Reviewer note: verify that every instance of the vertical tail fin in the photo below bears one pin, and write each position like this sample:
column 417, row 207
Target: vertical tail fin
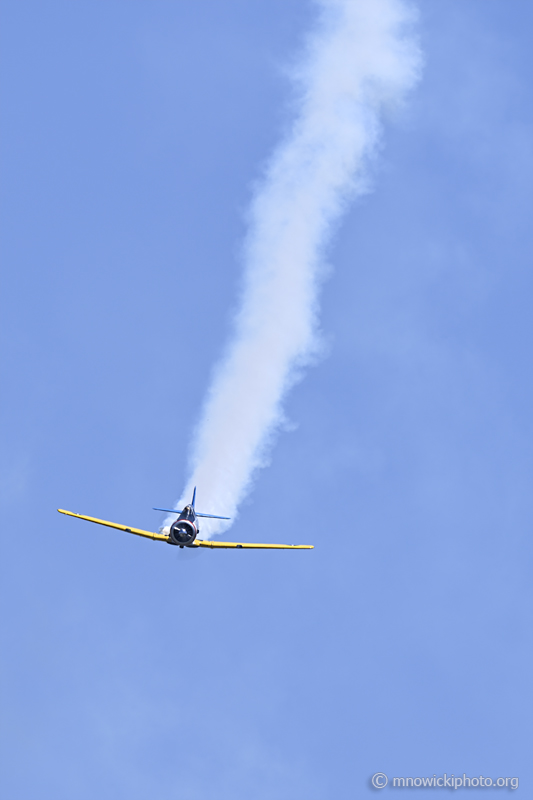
column 193, row 497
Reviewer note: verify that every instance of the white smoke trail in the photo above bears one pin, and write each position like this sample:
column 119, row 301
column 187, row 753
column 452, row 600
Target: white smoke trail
column 360, row 60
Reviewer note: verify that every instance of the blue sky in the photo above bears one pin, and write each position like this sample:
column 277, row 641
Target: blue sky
column 133, row 133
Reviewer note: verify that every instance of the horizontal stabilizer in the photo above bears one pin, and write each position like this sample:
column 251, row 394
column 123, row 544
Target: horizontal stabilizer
column 175, row 511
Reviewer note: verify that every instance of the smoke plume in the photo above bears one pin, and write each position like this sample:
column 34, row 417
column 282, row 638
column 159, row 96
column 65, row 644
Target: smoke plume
column 357, row 64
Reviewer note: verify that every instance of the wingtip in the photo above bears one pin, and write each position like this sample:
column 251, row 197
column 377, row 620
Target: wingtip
column 68, row 513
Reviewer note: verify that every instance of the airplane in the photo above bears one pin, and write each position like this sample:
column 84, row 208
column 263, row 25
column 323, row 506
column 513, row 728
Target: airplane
column 184, row 531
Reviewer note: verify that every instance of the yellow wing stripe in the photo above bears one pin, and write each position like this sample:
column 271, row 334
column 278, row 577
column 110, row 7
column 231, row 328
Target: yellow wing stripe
column 248, row 546
column 137, row 531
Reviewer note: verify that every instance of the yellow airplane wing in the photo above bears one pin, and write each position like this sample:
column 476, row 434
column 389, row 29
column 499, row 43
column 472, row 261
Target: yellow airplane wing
column 248, row 546
column 137, row 531
column 197, row 543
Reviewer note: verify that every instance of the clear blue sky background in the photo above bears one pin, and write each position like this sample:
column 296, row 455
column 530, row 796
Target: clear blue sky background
column 133, row 132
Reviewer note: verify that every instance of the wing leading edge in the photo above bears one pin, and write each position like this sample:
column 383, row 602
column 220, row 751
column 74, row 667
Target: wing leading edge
column 250, row 546
column 137, row 531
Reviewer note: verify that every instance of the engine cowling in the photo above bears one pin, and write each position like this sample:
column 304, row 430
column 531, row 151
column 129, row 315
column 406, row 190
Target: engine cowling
column 183, row 532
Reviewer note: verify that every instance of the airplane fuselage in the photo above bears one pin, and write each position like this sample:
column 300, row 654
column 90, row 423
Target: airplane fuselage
column 185, row 529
